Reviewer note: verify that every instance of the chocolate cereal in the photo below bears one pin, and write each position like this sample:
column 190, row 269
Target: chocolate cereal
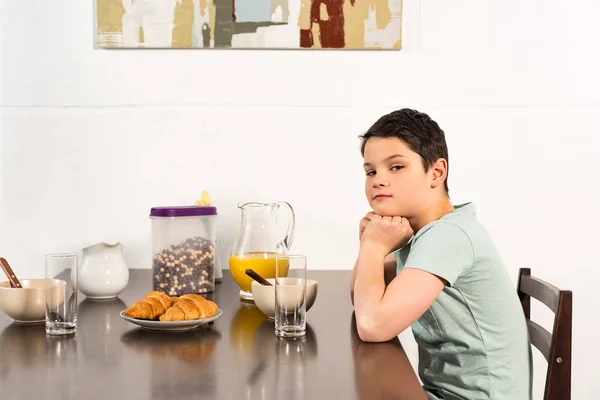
column 187, row 267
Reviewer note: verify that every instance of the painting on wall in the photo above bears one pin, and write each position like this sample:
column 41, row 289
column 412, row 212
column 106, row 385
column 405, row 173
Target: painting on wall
column 275, row 24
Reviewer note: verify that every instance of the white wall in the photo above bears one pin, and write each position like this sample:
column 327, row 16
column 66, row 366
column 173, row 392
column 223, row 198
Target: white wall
column 92, row 139
column 2, row 60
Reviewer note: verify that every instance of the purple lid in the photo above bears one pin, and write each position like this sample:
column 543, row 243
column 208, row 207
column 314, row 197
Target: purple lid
column 182, row 211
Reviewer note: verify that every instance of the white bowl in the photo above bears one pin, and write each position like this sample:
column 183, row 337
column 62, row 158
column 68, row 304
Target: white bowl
column 264, row 296
column 28, row 304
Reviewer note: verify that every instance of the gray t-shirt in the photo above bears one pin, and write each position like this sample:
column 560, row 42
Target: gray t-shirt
column 473, row 341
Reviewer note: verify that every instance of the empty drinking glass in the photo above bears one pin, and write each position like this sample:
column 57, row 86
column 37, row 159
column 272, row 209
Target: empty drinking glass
column 61, row 293
column 290, row 296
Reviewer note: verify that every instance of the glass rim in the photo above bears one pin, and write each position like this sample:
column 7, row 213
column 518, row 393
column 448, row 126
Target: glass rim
column 60, row 255
column 290, row 256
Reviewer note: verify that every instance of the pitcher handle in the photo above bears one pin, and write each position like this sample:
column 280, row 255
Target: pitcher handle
column 289, row 235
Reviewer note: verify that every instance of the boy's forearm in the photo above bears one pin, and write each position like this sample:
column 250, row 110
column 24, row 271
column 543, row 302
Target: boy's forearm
column 389, row 273
column 369, row 285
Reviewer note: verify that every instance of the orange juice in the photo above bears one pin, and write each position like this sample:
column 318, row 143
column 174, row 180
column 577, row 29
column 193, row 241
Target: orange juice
column 262, row 263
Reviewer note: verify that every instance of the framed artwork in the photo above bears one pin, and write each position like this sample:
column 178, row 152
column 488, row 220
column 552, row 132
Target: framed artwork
column 259, row 24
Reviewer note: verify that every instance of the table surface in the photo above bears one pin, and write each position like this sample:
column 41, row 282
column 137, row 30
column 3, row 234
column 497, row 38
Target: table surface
column 236, row 357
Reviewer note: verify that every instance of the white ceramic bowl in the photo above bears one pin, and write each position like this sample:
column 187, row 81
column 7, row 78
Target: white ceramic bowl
column 264, row 296
column 28, row 304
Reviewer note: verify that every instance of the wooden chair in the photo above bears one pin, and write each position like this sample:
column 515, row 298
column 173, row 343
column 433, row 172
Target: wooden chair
column 555, row 346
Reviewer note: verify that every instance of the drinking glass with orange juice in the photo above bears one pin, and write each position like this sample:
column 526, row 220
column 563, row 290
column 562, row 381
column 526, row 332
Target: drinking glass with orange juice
column 259, row 242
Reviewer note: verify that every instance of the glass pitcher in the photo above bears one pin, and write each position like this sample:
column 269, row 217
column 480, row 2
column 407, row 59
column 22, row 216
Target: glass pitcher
column 259, row 241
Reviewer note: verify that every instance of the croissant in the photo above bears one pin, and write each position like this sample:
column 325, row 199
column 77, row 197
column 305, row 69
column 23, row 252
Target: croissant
column 188, row 307
column 152, row 306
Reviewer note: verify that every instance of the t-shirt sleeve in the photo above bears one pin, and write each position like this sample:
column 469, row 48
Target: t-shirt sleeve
column 444, row 250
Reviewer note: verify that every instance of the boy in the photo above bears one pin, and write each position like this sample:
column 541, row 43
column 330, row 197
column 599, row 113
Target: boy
column 430, row 265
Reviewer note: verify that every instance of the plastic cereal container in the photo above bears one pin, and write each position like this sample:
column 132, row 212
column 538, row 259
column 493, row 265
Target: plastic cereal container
column 183, row 249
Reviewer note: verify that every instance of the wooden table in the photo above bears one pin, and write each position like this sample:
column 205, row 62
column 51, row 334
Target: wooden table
column 237, row 357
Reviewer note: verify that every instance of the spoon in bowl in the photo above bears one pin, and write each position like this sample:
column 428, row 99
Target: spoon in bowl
column 14, row 281
column 252, row 274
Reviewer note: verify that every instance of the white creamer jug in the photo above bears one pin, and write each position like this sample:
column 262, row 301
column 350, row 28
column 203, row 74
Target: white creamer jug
column 103, row 273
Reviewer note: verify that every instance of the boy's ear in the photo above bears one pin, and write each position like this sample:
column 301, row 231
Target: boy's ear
column 438, row 172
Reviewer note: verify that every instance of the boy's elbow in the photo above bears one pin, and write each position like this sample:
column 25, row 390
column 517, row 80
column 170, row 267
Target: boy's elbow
column 370, row 331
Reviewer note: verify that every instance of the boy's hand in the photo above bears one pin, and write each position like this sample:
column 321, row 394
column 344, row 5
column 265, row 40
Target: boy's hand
column 363, row 223
column 386, row 234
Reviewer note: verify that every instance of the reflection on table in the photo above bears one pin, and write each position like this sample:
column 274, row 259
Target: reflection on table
column 273, row 368
column 236, row 357
column 98, row 330
column 181, row 363
column 382, row 371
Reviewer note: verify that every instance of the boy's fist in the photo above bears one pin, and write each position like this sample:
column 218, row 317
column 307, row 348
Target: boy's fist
column 363, row 224
column 385, row 234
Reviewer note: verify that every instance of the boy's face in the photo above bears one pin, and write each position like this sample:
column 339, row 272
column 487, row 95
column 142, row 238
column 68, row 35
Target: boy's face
column 396, row 183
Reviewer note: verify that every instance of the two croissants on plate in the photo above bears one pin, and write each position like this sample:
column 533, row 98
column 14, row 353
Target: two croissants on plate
column 157, row 305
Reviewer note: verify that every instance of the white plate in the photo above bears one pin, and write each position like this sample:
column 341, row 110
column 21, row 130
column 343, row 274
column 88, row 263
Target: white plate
column 170, row 325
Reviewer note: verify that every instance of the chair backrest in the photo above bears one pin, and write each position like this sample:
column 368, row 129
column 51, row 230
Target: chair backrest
column 555, row 346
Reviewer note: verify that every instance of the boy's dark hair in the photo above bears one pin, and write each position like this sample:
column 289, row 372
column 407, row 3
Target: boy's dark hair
column 417, row 130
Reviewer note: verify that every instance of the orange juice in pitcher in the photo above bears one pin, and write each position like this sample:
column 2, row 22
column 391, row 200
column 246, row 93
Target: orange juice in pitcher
column 259, row 242
column 261, row 263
